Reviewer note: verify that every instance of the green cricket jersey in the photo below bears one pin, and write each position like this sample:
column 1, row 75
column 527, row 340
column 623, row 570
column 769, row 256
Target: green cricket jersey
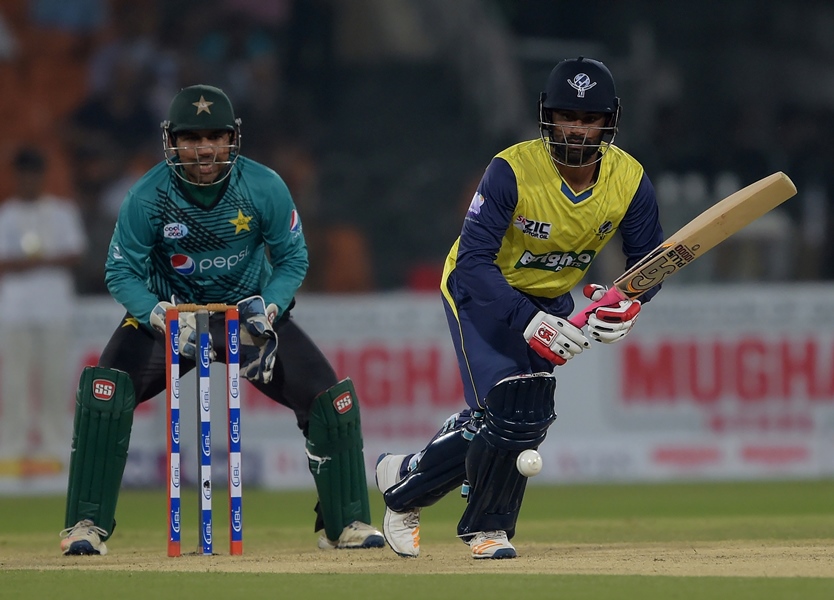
column 248, row 242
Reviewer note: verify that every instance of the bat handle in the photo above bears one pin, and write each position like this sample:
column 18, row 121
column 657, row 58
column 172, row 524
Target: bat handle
column 611, row 297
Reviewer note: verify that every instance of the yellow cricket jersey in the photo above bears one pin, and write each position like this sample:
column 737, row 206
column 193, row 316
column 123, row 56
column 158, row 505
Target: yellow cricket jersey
column 553, row 234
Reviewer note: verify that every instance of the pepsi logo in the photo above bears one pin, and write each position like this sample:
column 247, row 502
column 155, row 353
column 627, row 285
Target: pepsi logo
column 295, row 222
column 182, row 264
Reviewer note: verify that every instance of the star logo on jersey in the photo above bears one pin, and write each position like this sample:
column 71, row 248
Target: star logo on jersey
column 241, row 223
column 131, row 322
column 202, row 105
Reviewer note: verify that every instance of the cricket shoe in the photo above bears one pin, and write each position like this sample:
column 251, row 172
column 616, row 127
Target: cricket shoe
column 83, row 538
column 491, row 544
column 355, row 535
column 402, row 529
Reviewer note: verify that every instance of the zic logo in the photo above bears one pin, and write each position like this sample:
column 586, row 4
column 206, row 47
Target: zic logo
column 537, row 229
column 343, row 403
column 103, row 389
column 581, row 83
column 175, row 231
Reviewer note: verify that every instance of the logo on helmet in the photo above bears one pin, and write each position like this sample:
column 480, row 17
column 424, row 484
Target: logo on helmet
column 581, row 83
column 202, row 105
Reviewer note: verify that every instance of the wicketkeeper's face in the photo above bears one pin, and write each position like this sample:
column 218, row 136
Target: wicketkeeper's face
column 204, row 154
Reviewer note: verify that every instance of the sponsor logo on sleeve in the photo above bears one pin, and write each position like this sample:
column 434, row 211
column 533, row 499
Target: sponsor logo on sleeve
column 476, row 204
column 295, row 223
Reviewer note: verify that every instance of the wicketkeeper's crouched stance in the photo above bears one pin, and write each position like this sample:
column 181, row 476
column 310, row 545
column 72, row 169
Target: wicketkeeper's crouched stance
column 132, row 370
column 207, row 225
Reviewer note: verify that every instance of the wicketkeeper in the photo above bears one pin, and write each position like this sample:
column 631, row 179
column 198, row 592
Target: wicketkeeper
column 207, row 225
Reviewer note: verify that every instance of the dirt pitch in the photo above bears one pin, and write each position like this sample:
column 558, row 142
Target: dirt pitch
column 809, row 558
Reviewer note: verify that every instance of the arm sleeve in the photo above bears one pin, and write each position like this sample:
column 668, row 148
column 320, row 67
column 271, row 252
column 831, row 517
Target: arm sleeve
column 286, row 248
column 126, row 267
column 480, row 241
column 640, row 228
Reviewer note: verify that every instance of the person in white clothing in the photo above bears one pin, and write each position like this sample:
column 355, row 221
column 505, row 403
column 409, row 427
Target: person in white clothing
column 41, row 239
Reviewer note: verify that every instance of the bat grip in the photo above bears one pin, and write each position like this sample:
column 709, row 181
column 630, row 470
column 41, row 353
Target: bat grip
column 611, row 297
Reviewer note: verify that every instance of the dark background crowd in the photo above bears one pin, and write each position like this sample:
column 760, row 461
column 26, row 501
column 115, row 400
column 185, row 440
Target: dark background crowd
column 381, row 114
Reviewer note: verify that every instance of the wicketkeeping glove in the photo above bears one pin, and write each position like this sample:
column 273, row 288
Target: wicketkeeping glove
column 554, row 338
column 188, row 329
column 609, row 324
column 258, row 341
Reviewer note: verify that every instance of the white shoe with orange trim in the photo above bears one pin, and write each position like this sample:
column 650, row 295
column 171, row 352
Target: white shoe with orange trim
column 401, row 529
column 491, row 544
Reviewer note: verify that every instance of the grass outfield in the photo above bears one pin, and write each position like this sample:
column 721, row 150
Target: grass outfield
column 675, row 541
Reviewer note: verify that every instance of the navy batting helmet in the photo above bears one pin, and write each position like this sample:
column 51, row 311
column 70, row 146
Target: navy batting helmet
column 580, row 85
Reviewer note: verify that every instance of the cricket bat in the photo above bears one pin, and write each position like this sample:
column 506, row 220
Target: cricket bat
column 701, row 234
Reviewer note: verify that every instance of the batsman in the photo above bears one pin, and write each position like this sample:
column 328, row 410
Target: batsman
column 207, row 225
column 542, row 212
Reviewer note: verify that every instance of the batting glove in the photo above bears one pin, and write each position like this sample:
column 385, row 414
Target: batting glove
column 609, row 324
column 554, row 338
